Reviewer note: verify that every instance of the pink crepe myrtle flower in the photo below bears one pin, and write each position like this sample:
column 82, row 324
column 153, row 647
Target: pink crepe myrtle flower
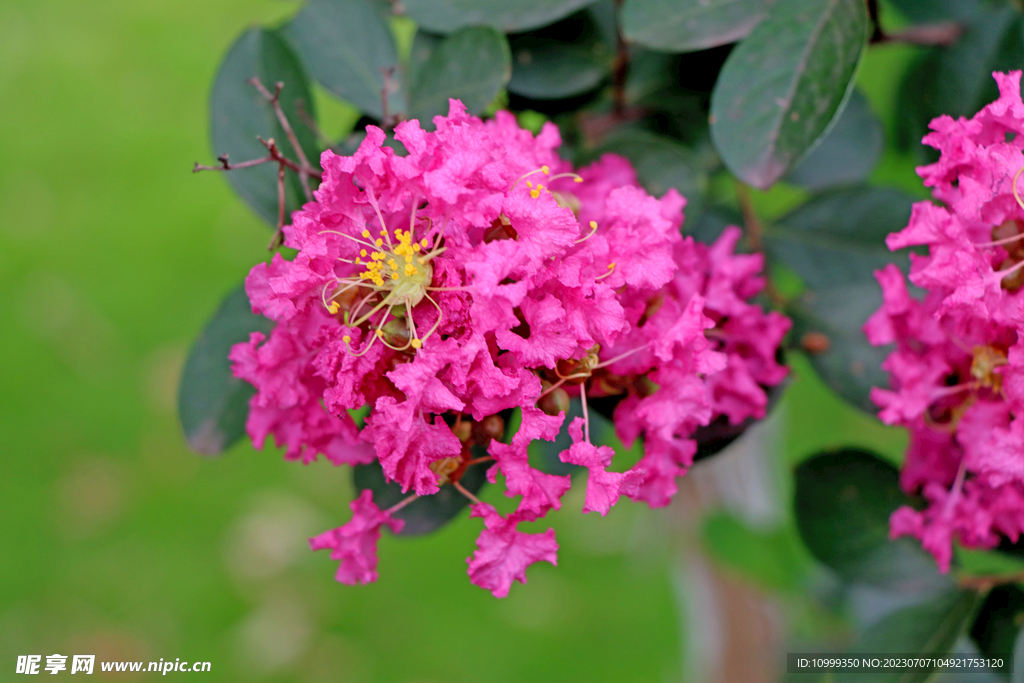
column 476, row 274
column 957, row 370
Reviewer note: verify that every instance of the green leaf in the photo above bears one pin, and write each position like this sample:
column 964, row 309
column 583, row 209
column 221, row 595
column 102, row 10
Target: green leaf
column 212, row 403
column 782, row 86
column 927, row 628
column 838, row 239
column 472, row 65
column 660, row 164
column 769, row 558
column 689, row 25
column 847, row 153
column 238, row 114
column 349, row 48
column 427, row 513
column 445, row 16
column 937, row 10
column 998, row 622
column 849, row 366
column 562, row 60
column 834, row 243
column 958, row 80
column 842, row 504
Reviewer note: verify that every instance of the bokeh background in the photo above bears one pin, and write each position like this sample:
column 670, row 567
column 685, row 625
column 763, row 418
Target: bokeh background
column 115, row 540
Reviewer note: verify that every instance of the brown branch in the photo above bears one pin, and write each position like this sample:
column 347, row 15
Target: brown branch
column 386, row 121
column 306, row 169
column 943, row 35
column 986, row 583
column 755, row 232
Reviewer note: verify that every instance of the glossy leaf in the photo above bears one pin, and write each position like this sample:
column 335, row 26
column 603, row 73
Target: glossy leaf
column 927, row 628
column 445, row 16
column 998, row 622
column 689, row 25
column 838, row 239
column 847, row 153
column 781, row 87
column 348, row 48
column 425, row 514
column 660, row 164
column 472, row 65
column 561, row 60
column 212, row 403
column 842, row 502
column 957, row 80
column 238, row 114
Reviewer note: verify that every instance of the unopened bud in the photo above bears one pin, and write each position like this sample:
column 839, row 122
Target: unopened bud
column 493, row 426
column 555, row 402
column 815, row 343
column 463, row 431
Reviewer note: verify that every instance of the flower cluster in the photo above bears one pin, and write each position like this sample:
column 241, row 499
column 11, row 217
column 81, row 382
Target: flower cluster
column 476, row 274
column 958, row 367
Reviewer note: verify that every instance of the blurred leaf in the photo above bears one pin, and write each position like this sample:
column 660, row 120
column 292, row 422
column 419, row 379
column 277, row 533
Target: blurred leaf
column 783, row 85
column 842, row 504
column 544, row 454
column 472, row 65
column 957, row 80
column 719, row 434
column 838, row 238
column 238, row 114
column 348, row 47
column 847, row 153
column 445, row 16
column 849, row 365
column 427, row 513
column 711, row 222
column 937, row 10
column 772, row 559
column 660, row 164
column 564, row 59
column 998, row 622
column 212, row 403
column 928, row 628
column 834, row 243
column 689, row 25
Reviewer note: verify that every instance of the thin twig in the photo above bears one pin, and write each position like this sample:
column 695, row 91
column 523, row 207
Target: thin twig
column 986, row 583
column 755, row 231
column 386, row 121
column 275, row 103
column 462, row 489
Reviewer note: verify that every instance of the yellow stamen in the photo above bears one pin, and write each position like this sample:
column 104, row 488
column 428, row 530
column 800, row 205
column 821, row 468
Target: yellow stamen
column 416, row 343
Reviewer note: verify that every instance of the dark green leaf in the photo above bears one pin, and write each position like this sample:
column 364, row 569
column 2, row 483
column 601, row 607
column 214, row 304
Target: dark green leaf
column 427, row 513
column 782, row 86
column 937, row 10
column 847, row 153
column 689, row 25
column 711, row 222
column 838, row 239
column 849, row 366
column 349, row 48
column 212, row 403
column 769, row 558
column 998, row 622
column 445, row 16
column 472, row 65
column 238, row 114
column 661, row 164
column 842, row 503
column 958, row 80
column 927, row 628
column 565, row 59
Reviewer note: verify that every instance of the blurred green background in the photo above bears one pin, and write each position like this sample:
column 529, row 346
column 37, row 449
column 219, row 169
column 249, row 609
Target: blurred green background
column 117, row 541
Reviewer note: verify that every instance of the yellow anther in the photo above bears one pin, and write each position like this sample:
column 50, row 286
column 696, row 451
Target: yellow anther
column 424, row 242
column 366, row 233
column 545, row 170
column 410, row 269
column 362, row 252
column 577, row 179
column 346, row 339
column 416, row 247
column 423, row 262
column 408, row 258
column 379, row 242
column 593, row 225
column 529, row 183
column 333, row 307
column 394, row 276
column 611, row 265
column 416, row 343
column 392, row 264
column 380, row 333
column 534, row 193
